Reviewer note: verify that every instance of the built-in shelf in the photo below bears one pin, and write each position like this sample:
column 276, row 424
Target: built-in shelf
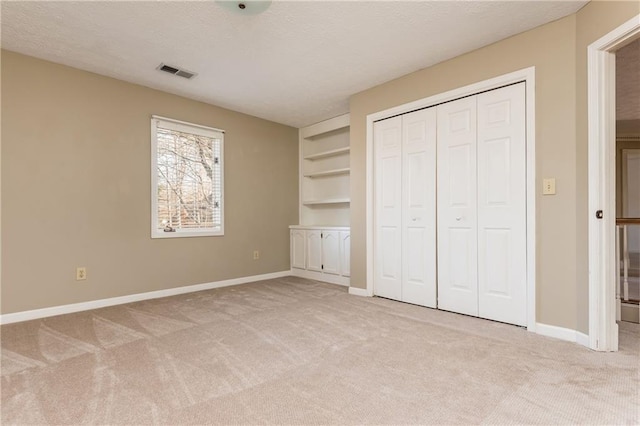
column 327, row 154
column 334, row 172
column 327, row 201
column 324, row 185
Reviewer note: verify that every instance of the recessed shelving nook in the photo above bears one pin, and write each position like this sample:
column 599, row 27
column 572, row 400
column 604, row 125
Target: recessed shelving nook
column 320, row 243
column 324, row 173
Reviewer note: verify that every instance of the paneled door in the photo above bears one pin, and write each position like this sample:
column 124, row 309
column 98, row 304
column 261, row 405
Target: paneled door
column 502, row 228
column 418, row 207
column 388, row 208
column 457, row 207
column 405, row 215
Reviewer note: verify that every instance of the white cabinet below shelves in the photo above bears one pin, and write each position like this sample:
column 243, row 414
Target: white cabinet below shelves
column 298, row 249
column 321, row 253
column 314, row 250
column 345, row 253
column 331, row 252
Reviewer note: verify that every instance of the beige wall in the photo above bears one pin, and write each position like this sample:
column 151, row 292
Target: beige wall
column 76, row 190
column 593, row 21
column 561, row 260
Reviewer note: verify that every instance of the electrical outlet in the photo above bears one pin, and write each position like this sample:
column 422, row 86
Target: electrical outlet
column 81, row 273
column 256, row 254
column 548, row 186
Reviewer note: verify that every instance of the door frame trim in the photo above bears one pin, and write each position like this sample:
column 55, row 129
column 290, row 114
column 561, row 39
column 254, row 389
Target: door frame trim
column 603, row 329
column 526, row 75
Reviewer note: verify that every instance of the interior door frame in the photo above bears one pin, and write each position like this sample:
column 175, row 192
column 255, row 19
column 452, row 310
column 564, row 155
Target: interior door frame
column 526, row 75
column 601, row 74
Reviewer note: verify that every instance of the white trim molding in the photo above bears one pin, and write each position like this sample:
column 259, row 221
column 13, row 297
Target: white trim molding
column 582, row 339
column 362, row 292
column 189, row 128
column 562, row 333
column 320, row 276
column 112, row 301
column 526, row 75
column 603, row 329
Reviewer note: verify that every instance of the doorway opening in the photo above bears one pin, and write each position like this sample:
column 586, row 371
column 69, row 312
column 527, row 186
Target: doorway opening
column 603, row 270
column 628, row 182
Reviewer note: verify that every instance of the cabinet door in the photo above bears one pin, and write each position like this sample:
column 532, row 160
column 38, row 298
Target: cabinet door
column 331, row 252
column 297, row 249
column 345, row 253
column 457, row 207
column 314, row 251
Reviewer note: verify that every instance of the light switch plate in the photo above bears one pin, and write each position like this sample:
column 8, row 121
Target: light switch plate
column 549, row 186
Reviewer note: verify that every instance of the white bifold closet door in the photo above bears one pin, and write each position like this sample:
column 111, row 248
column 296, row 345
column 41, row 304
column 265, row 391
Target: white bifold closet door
column 457, row 207
column 405, row 231
column 482, row 205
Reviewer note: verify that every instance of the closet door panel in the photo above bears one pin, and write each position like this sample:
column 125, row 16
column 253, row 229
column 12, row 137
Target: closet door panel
column 388, row 208
column 418, row 207
column 457, row 206
column 502, row 205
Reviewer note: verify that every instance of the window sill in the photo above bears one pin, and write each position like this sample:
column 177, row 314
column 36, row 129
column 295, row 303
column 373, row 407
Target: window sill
column 187, row 234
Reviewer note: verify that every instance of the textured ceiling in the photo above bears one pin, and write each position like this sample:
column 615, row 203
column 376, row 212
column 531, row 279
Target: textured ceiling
column 297, row 63
column 628, row 82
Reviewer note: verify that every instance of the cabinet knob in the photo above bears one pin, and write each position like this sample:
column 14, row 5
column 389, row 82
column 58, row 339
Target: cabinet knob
column 459, row 218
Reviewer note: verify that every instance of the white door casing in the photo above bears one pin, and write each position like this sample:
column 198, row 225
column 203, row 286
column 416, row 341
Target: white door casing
column 502, row 232
column 388, row 208
column 418, row 207
column 457, row 206
column 603, row 329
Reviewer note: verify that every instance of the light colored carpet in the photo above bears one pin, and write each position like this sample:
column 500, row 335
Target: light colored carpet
column 295, row 351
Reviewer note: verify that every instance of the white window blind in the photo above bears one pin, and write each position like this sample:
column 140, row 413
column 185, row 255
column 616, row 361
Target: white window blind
column 187, row 179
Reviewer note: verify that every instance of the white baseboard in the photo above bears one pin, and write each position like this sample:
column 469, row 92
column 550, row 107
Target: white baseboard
column 556, row 332
column 562, row 333
column 320, row 276
column 358, row 291
column 582, row 339
column 102, row 303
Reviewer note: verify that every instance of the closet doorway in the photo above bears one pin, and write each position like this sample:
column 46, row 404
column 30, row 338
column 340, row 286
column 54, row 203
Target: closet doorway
column 451, row 217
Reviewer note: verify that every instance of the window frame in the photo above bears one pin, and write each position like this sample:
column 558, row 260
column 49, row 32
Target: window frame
column 186, row 127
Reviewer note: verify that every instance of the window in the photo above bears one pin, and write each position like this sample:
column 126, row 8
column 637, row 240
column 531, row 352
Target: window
column 187, row 179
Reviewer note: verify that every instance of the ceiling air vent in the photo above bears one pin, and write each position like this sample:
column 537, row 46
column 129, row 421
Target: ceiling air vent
column 176, row 71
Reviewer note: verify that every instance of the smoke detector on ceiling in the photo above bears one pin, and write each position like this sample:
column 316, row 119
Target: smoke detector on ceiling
column 245, row 7
column 176, row 71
